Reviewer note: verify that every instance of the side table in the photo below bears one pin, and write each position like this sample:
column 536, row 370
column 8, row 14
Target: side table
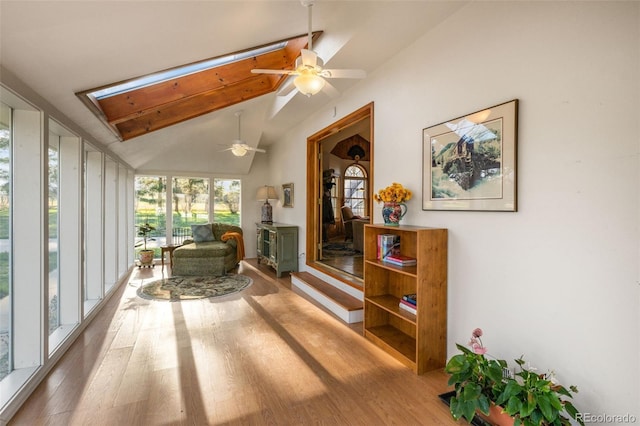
column 169, row 249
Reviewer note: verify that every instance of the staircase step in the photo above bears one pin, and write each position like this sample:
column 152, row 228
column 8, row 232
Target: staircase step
column 345, row 306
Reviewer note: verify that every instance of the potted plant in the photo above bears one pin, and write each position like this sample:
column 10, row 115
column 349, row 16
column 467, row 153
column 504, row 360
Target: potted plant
column 477, row 380
column 537, row 399
column 145, row 256
column 486, row 387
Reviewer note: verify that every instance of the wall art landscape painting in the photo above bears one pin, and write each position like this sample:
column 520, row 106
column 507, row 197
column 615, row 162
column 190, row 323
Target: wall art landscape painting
column 470, row 162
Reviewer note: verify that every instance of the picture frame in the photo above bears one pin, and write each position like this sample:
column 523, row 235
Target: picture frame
column 470, row 162
column 287, row 195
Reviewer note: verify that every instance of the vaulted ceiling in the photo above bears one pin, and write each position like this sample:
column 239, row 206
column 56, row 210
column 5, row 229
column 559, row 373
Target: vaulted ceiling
column 152, row 107
column 63, row 48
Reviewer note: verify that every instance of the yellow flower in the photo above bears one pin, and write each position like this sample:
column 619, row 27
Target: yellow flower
column 394, row 193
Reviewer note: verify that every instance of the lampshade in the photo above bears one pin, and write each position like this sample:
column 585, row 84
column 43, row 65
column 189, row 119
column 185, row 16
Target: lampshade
column 308, row 83
column 266, row 193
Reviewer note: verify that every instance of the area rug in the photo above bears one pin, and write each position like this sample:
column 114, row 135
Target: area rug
column 190, row 288
column 338, row 249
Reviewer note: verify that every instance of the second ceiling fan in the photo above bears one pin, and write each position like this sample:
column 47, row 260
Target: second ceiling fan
column 310, row 76
column 238, row 147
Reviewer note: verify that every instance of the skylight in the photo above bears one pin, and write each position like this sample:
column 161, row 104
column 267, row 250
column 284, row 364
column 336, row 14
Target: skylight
column 147, row 103
column 182, row 71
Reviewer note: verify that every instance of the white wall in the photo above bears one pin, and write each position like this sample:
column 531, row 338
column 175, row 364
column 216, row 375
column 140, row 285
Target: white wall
column 558, row 280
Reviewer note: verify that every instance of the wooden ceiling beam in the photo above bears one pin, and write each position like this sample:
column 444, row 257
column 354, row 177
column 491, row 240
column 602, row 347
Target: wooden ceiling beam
column 140, row 111
column 195, row 106
column 130, row 104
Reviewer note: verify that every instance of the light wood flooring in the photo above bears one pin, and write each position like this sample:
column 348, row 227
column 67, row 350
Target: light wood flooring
column 353, row 265
column 264, row 356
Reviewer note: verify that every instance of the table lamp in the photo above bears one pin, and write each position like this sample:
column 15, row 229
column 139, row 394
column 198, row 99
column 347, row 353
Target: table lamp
column 265, row 193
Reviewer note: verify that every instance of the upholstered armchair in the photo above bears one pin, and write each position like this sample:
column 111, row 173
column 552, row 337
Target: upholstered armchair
column 347, row 219
column 216, row 249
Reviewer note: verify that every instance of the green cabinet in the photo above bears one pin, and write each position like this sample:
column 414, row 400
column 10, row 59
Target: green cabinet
column 277, row 245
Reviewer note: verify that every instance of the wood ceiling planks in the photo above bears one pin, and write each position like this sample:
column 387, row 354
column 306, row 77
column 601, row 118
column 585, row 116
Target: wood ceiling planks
column 156, row 106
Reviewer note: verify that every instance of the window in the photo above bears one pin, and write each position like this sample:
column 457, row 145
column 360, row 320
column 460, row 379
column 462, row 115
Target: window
column 150, row 207
column 182, row 71
column 93, row 226
column 190, row 205
column 226, row 201
column 219, row 82
column 5, row 240
column 44, row 179
column 65, row 251
column 110, row 219
column 355, row 189
column 54, row 274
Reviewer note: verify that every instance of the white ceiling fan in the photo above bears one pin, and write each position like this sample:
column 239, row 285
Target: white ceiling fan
column 238, row 147
column 310, row 76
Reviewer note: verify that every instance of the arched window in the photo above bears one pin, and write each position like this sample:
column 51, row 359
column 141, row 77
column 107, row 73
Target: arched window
column 355, row 189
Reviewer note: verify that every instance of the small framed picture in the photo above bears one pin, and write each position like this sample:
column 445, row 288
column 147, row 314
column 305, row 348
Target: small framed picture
column 287, row 195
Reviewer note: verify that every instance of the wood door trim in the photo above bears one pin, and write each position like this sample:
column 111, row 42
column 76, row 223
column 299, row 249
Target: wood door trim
column 313, row 237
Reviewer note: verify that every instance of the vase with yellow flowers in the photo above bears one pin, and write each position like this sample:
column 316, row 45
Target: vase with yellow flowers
column 394, row 208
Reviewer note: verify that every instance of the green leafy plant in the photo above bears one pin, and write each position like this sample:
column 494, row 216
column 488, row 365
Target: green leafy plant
column 143, row 231
column 531, row 399
column 537, row 399
column 477, row 380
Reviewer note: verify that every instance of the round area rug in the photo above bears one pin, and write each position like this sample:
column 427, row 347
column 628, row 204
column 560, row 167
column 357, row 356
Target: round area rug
column 189, row 288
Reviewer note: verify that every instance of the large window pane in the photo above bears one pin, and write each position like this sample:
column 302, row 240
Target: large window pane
column 93, row 228
column 226, row 207
column 110, row 223
column 54, row 282
column 150, row 207
column 190, row 200
column 5, row 240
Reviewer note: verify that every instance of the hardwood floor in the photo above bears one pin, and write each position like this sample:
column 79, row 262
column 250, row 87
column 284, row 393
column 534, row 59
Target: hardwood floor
column 353, row 265
column 262, row 356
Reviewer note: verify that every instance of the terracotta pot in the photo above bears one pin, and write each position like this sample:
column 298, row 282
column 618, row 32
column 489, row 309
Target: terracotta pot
column 496, row 417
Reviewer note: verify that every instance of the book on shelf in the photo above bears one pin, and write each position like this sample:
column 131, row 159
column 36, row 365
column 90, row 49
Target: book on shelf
column 411, row 298
column 387, row 244
column 408, row 307
column 400, row 259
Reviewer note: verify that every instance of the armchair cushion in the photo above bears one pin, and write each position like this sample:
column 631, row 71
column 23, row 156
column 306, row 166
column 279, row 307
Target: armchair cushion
column 202, row 233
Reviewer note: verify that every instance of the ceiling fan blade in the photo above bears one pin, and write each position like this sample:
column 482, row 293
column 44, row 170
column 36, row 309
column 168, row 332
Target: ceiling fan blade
column 309, row 57
column 330, row 90
column 262, row 71
column 342, row 73
column 286, row 88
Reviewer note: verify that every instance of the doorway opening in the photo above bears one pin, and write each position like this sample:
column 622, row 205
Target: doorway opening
column 339, row 202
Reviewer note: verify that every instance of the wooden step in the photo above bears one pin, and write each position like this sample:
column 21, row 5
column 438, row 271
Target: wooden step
column 345, row 306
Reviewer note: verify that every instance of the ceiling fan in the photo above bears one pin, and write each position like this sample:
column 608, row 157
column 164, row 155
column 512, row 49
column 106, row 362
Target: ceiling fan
column 310, row 76
column 238, row 147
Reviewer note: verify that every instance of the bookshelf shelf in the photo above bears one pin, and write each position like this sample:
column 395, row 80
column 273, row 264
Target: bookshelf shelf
column 418, row 341
column 406, row 270
column 390, row 304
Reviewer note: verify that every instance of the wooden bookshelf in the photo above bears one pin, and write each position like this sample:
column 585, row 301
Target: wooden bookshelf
column 418, row 341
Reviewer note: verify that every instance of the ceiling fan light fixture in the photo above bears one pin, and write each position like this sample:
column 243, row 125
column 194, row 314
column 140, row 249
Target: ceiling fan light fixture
column 238, row 150
column 308, row 83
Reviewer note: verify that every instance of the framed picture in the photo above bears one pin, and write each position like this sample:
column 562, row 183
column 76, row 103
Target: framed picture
column 469, row 162
column 287, row 195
